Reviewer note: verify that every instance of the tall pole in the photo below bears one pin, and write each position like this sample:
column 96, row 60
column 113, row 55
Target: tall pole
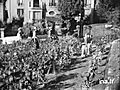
column 81, row 19
column 1, row 11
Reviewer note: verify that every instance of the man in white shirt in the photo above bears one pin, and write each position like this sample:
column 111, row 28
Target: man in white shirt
column 87, row 43
column 34, row 33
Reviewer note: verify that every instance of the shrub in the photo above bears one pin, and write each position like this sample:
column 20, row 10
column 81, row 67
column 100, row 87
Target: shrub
column 109, row 10
column 113, row 16
column 1, row 24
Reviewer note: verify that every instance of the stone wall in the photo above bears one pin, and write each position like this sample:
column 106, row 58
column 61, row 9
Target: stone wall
column 114, row 64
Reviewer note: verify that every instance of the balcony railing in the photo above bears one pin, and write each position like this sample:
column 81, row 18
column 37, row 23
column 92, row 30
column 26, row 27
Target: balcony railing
column 36, row 5
column 36, row 8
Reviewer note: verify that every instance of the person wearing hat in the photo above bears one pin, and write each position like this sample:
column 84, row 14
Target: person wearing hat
column 83, row 48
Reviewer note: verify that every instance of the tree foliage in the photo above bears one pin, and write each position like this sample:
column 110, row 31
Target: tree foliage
column 109, row 10
column 69, row 7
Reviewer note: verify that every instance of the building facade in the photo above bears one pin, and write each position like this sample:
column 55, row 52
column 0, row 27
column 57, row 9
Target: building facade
column 3, row 14
column 89, row 5
column 37, row 9
column 31, row 9
column 52, row 8
column 1, row 10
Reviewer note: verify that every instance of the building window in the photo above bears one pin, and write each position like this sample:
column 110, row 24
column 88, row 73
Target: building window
column 20, row 12
column 29, row 14
column 52, row 3
column 88, row 2
column 37, row 15
column 29, row 4
column 20, row 2
column 85, row 2
column 35, row 3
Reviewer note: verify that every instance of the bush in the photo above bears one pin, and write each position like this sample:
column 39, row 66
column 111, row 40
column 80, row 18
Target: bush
column 21, row 62
column 11, row 29
column 1, row 24
column 109, row 12
column 113, row 16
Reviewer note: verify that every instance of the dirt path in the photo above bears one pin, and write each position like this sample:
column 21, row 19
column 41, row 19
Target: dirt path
column 71, row 79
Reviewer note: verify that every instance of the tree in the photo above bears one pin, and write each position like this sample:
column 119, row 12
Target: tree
column 109, row 10
column 69, row 8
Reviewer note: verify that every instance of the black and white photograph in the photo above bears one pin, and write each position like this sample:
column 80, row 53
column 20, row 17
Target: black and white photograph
column 59, row 44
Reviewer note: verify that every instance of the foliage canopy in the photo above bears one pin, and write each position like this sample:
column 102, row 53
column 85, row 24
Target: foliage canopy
column 109, row 10
column 69, row 7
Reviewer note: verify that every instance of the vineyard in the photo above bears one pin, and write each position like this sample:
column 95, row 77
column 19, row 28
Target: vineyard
column 24, row 65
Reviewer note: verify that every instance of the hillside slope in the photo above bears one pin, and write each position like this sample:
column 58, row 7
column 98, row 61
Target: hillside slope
column 114, row 64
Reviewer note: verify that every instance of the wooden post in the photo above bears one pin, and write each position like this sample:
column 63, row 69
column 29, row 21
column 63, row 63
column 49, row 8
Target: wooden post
column 34, row 33
column 54, row 71
column 2, row 32
column 49, row 31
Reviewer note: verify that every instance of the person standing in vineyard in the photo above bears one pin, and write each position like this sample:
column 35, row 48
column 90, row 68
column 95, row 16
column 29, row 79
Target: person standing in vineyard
column 88, row 39
column 86, row 43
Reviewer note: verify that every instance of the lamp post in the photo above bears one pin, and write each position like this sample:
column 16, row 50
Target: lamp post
column 81, row 18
